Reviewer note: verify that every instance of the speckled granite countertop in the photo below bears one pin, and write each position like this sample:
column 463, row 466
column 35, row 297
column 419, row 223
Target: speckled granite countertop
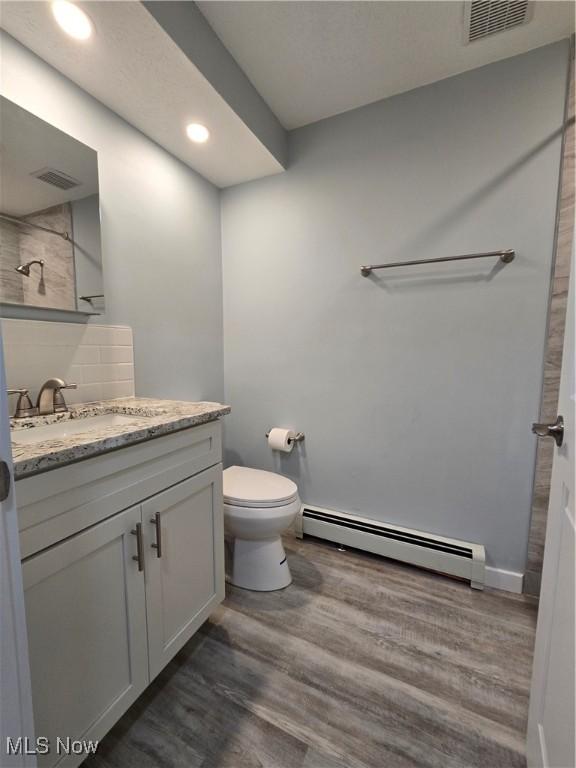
column 139, row 419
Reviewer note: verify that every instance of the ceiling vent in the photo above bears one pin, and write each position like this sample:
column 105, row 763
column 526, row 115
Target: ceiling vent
column 56, row 178
column 487, row 17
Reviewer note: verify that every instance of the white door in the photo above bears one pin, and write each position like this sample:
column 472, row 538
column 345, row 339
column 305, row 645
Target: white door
column 86, row 615
column 15, row 700
column 550, row 742
column 184, row 562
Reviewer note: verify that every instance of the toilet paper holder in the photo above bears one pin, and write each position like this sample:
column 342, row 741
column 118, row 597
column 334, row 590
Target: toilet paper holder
column 298, row 437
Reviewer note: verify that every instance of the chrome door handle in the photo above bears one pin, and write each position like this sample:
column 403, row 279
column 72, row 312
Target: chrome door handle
column 157, row 545
column 5, row 481
column 139, row 557
column 555, row 430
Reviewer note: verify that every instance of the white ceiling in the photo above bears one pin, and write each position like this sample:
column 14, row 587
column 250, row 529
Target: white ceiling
column 311, row 60
column 308, row 60
column 132, row 65
column 29, row 145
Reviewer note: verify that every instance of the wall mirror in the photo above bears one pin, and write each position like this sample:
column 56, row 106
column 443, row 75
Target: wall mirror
column 50, row 255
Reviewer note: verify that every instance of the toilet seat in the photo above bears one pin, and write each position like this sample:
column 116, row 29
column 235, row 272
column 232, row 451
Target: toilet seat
column 257, row 488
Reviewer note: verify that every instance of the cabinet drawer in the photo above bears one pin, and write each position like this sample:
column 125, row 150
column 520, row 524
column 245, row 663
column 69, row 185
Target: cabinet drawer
column 62, row 502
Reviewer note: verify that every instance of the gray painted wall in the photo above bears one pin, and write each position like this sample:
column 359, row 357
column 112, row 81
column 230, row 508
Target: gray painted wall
column 416, row 388
column 160, row 234
column 87, row 249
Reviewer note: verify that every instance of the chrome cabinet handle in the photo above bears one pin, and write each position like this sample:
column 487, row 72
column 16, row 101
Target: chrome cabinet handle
column 555, row 430
column 139, row 557
column 157, row 545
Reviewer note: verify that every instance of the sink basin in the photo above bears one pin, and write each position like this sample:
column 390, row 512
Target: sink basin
column 63, row 429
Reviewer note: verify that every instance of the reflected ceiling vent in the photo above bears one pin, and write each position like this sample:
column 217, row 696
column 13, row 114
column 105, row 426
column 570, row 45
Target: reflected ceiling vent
column 56, row 178
column 487, row 17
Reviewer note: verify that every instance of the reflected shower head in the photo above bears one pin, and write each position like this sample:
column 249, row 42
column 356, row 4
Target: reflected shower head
column 24, row 269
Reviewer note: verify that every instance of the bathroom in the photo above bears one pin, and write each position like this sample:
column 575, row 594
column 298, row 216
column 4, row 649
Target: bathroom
column 287, row 323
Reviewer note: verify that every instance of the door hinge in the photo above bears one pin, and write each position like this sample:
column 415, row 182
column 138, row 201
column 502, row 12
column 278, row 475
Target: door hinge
column 5, row 481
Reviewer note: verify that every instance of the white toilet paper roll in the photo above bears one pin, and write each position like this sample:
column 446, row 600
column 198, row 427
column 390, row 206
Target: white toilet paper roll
column 280, row 439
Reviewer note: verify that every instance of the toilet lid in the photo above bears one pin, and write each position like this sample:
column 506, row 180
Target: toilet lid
column 245, row 487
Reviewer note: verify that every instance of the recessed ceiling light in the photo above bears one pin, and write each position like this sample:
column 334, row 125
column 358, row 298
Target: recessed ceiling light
column 198, row 133
column 72, row 19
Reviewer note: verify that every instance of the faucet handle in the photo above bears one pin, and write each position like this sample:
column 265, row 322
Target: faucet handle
column 64, row 385
column 24, row 407
column 59, row 402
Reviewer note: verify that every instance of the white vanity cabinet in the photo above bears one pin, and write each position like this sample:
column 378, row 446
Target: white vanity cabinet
column 108, row 606
column 184, row 568
column 86, row 615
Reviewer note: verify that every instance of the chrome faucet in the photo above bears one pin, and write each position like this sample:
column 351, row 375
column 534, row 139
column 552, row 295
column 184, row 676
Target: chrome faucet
column 50, row 398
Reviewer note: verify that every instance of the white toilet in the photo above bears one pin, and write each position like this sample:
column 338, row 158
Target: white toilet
column 258, row 507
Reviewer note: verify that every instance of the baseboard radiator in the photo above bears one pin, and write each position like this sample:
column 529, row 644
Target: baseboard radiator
column 437, row 553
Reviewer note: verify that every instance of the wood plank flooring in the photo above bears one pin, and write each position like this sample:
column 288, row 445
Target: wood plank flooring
column 360, row 663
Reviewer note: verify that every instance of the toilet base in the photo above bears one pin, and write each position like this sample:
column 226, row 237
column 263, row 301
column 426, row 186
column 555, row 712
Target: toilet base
column 259, row 565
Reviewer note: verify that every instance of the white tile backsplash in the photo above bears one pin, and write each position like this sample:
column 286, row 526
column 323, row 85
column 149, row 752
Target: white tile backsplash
column 105, row 372
column 116, row 354
column 99, row 358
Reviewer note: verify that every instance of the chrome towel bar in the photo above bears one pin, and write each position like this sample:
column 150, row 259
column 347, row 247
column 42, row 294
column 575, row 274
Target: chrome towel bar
column 93, row 296
column 506, row 256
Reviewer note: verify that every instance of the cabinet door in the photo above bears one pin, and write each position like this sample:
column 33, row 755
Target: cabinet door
column 86, row 614
column 185, row 577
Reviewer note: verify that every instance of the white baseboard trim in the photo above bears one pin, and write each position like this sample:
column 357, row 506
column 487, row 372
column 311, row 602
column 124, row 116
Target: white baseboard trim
column 509, row 581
